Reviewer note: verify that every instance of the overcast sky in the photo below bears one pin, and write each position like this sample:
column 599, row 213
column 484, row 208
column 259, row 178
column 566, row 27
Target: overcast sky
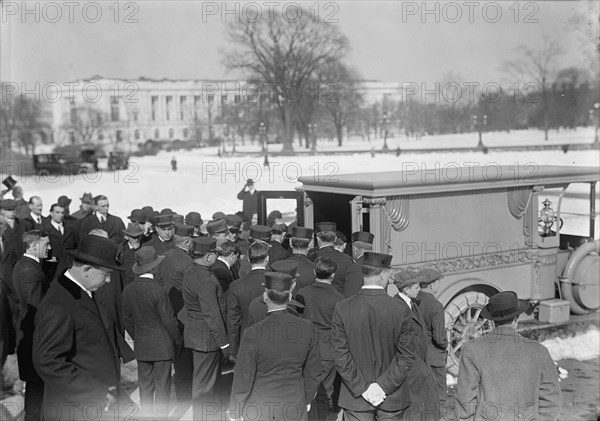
column 391, row 41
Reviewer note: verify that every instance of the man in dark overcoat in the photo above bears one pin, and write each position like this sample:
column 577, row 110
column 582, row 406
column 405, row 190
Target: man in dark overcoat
column 223, row 267
column 162, row 241
column 277, row 251
column 325, row 239
column 299, row 241
column 31, row 285
column 102, row 219
column 62, row 238
column 277, row 372
column 74, row 351
column 362, row 241
column 249, row 197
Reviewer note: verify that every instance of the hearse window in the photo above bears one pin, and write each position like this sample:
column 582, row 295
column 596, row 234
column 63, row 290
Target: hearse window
column 573, row 209
column 287, row 207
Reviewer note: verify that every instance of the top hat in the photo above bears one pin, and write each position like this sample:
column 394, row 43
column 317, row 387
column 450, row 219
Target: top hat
column 138, row 215
column 184, row 230
column 404, row 278
column 203, row 245
column 217, row 226
column 278, row 281
column 260, row 232
column 233, row 221
column 146, row 260
column 64, row 201
column 288, row 267
column 365, row 237
column 504, row 305
column 194, row 218
column 8, row 204
column 431, row 275
column 325, row 226
column 98, row 251
column 301, row 232
column 163, row 221
column 86, row 198
column 133, row 230
column 9, row 182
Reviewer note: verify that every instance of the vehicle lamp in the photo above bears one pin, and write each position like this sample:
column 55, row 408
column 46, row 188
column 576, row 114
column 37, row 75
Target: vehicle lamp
column 547, row 219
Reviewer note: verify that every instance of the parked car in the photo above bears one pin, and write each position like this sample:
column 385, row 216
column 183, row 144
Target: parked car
column 56, row 164
column 118, row 161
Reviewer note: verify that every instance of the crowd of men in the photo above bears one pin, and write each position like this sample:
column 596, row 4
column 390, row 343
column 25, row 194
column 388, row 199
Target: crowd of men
column 302, row 318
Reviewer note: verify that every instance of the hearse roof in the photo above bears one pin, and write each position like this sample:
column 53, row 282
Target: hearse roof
column 417, row 180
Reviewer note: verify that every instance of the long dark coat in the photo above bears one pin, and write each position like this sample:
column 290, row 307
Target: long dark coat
column 434, row 323
column 114, row 226
column 343, row 262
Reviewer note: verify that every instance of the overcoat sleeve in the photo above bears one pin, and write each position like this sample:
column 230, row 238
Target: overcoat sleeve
column 234, row 319
column 208, row 298
column 244, row 373
column 467, row 388
column 550, row 395
column 312, row 368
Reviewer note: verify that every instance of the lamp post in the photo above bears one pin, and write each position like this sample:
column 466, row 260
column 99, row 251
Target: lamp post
column 312, row 130
column 224, row 137
column 262, row 133
column 595, row 117
column 480, row 124
column 385, row 122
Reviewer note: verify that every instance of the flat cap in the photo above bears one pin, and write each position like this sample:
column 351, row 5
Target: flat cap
column 288, row 267
column 325, row 226
column 278, row 281
column 404, row 278
column 184, row 230
column 377, row 259
column 203, row 245
column 194, row 218
column 365, row 237
column 260, row 232
column 302, row 232
column 216, row 226
column 431, row 275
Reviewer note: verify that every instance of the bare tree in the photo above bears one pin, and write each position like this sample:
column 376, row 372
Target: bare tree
column 537, row 65
column 285, row 55
column 21, row 120
column 85, row 123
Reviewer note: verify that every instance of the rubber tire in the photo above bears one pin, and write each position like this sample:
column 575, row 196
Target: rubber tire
column 458, row 307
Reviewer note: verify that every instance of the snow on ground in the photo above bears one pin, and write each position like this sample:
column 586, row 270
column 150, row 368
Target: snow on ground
column 582, row 347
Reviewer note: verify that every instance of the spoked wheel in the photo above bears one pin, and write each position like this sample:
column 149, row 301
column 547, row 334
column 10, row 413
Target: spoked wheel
column 464, row 323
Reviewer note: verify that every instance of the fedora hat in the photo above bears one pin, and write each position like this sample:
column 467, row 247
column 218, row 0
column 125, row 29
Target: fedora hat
column 146, row 260
column 194, row 218
column 138, row 215
column 64, row 201
column 504, row 305
column 87, row 198
column 9, row 182
column 217, row 226
column 97, row 251
column 133, row 230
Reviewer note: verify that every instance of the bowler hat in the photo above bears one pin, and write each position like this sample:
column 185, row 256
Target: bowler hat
column 87, row 198
column 184, row 230
column 64, row 201
column 365, row 237
column 163, row 221
column 302, row 232
column 9, row 182
column 98, row 251
column 194, row 218
column 431, row 275
column 138, row 215
column 133, row 230
column 203, row 245
column 285, row 266
column 146, row 260
column 233, row 221
column 166, row 211
column 325, row 226
column 147, row 210
column 404, row 278
column 8, row 204
column 260, row 232
column 152, row 217
column 278, row 281
column 219, row 215
column 217, row 226
column 504, row 305
column 377, row 259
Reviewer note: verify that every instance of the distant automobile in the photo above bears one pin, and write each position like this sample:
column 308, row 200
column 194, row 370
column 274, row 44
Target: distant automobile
column 56, row 164
column 118, row 161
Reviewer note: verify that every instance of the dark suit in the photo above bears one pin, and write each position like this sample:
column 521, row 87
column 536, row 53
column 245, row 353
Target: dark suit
column 223, row 273
column 161, row 247
column 29, row 224
column 306, row 271
column 31, row 286
column 73, row 352
column 241, row 293
column 258, row 311
column 377, row 339
column 434, row 323
column 277, row 252
column 343, row 262
column 276, row 375
column 113, row 226
column 150, row 321
column 354, row 278
column 320, row 300
column 60, row 243
column 204, row 332
column 126, row 257
column 250, row 203
column 11, row 249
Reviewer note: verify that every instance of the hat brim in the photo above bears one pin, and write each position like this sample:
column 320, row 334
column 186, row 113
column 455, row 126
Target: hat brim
column 93, row 260
column 133, row 235
column 523, row 306
column 140, row 269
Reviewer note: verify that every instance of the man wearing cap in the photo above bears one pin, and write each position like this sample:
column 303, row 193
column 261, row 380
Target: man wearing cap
column 434, row 323
column 218, row 230
column 257, row 232
column 362, row 241
column 85, row 208
column 503, row 375
column 226, row 260
column 80, row 370
column 112, row 224
column 31, row 286
column 320, row 299
column 380, row 374
column 150, row 322
column 194, row 219
column 299, row 242
column 171, row 273
column 34, row 219
column 62, row 238
column 204, row 319
column 277, row 251
column 163, row 240
column 234, row 224
column 242, row 291
column 126, row 252
column 276, row 376
column 325, row 239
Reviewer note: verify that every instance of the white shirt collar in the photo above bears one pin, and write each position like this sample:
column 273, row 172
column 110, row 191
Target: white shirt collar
column 99, row 216
column 258, row 267
column 222, row 259
column 76, row 282
column 35, row 217
column 56, row 225
column 372, row 287
column 406, row 298
column 147, row 275
column 31, row 256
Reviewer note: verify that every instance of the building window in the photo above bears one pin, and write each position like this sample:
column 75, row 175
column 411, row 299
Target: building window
column 156, row 133
column 114, row 109
column 182, row 107
column 210, row 98
column 237, row 99
column 197, row 101
column 119, row 136
column 169, row 105
column 154, row 107
column 223, row 99
column 186, row 133
column 136, row 134
column 171, row 133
